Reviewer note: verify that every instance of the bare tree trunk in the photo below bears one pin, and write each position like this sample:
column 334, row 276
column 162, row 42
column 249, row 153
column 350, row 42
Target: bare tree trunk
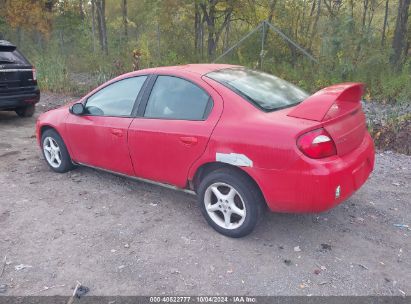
column 81, row 9
column 101, row 22
column 352, row 21
column 270, row 16
column 407, row 49
column 99, row 25
column 364, row 15
column 384, row 27
column 202, row 37
column 399, row 42
column 312, row 11
column 197, row 25
column 313, row 8
column 93, row 22
column 104, row 26
column 371, row 15
column 314, row 29
column 226, row 36
column 363, row 23
column 352, row 9
column 125, row 18
column 210, row 17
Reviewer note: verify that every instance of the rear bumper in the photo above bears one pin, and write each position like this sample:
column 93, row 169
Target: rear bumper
column 14, row 101
column 312, row 185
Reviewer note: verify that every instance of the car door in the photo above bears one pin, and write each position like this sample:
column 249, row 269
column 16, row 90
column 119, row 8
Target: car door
column 98, row 137
column 174, row 127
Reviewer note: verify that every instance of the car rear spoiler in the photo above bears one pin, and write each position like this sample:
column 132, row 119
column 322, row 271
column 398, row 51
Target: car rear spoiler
column 318, row 105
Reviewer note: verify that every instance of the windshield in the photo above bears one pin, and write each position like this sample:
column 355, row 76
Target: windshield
column 266, row 91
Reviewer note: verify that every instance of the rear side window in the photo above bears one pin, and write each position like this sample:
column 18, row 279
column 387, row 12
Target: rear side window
column 176, row 98
column 266, row 91
column 116, row 99
column 12, row 57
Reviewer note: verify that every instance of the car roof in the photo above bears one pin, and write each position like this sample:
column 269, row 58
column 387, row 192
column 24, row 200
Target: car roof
column 198, row 68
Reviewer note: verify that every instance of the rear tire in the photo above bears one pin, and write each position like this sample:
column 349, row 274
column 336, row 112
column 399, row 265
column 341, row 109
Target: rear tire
column 27, row 111
column 55, row 152
column 231, row 202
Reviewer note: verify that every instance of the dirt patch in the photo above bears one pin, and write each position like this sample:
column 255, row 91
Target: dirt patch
column 390, row 125
column 394, row 135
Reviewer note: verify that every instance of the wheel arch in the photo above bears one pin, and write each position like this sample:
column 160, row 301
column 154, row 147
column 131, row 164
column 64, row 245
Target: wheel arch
column 46, row 127
column 43, row 128
column 209, row 167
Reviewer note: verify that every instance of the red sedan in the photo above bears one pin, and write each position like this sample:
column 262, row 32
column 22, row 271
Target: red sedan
column 241, row 139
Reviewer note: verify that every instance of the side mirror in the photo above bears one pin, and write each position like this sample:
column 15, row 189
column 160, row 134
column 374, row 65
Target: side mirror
column 77, row 108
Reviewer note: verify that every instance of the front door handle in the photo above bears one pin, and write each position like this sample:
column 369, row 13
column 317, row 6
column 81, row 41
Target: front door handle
column 117, row 132
column 189, row 140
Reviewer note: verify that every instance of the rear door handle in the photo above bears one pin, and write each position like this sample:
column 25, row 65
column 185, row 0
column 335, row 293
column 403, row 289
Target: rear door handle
column 117, row 132
column 189, row 140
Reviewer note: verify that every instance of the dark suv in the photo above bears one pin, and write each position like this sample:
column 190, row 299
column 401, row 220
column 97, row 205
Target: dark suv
column 18, row 84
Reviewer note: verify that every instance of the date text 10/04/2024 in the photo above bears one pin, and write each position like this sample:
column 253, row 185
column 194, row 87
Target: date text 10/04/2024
column 203, row 299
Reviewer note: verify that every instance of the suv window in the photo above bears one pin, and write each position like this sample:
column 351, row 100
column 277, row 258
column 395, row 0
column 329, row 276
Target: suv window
column 176, row 98
column 14, row 57
column 116, row 99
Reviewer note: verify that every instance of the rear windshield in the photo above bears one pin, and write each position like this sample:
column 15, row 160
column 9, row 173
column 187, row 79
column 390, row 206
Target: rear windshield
column 266, row 91
column 14, row 57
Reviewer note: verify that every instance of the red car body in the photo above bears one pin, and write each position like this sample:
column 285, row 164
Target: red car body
column 264, row 145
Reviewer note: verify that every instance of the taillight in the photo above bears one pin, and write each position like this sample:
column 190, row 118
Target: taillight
column 34, row 74
column 317, row 144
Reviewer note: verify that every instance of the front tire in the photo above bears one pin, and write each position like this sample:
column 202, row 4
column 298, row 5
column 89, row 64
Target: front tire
column 27, row 111
column 55, row 152
column 231, row 202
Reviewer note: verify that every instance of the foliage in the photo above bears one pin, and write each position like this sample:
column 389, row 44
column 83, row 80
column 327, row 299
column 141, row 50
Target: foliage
column 29, row 15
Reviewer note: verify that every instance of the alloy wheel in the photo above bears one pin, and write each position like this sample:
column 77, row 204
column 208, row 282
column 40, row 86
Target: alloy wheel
column 52, row 152
column 225, row 205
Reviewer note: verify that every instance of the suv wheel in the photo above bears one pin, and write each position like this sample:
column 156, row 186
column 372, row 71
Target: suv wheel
column 26, row 111
column 55, row 152
column 231, row 203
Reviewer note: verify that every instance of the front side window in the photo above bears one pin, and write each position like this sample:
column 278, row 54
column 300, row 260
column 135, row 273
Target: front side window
column 176, row 98
column 116, row 99
column 266, row 91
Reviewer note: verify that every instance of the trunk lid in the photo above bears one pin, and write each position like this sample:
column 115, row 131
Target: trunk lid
column 12, row 76
column 338, row 109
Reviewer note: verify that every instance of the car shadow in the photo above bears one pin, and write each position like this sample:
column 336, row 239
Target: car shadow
column 184, row 206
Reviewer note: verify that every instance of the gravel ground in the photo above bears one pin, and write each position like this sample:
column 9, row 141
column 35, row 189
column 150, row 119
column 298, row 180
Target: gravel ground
column 121, row 237
column 378, row 113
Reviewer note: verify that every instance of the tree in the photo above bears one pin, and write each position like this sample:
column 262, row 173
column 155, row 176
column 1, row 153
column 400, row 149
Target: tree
column 198, row 24
column 399, row 42
column 125, row 18
column 93, row 23
column 384, row 27
column 39, row 19
column 211, row 15
column 81, row 9
column 101, row 25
